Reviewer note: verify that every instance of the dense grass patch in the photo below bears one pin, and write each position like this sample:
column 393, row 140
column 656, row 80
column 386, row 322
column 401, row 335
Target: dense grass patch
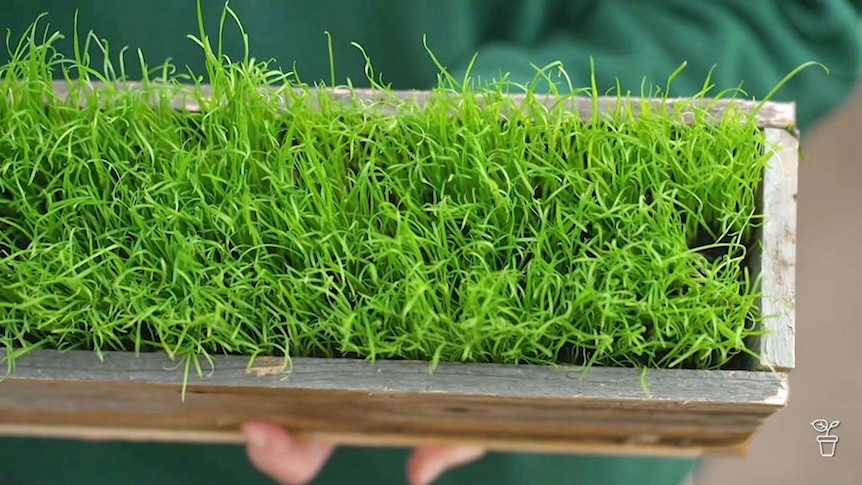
column 467, row 228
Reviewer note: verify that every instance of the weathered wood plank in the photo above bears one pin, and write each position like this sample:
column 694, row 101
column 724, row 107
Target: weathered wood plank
column 498, row 380
column 357, row 402
column 778, row 252
column 643, row 446
column 771, row 114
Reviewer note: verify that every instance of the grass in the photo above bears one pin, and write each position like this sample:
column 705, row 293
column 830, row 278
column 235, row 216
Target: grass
column 282, row 222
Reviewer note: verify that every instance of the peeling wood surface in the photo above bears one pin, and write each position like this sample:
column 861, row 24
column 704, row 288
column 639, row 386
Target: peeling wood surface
column 388, row 403
column 778, row 253
column 672, row 387
column 771, row 114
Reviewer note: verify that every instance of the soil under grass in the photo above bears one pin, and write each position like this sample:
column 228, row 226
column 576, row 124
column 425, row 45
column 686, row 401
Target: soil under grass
column 468, row 228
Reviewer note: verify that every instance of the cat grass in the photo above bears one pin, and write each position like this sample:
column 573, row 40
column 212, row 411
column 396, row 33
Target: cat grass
column 469, row 227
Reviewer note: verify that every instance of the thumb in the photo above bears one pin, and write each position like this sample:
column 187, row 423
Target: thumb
column 427, row 464
column 282, row 457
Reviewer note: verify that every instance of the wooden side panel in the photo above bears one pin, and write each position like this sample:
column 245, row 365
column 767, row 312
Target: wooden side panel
column 389, row 403
column 778, row 252
column 770, row 114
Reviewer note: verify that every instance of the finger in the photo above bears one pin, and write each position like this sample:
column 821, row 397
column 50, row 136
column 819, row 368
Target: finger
column 427, row 464
column 282, row 457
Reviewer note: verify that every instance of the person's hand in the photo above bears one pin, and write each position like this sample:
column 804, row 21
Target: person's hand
column 290, row 461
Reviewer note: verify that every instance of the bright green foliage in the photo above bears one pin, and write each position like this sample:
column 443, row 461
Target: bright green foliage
column 468, row 228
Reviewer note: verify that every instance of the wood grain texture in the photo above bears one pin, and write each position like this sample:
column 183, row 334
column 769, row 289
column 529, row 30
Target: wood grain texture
column 777, row 252
column 771, row 114
column 643, row 447
column 357, row 402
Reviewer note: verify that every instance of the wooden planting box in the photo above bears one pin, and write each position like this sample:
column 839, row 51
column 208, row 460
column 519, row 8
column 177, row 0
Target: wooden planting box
column 505, row 407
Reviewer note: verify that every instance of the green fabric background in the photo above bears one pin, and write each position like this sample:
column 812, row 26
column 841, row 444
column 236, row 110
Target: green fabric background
column 750, row 42
column 50, row 462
